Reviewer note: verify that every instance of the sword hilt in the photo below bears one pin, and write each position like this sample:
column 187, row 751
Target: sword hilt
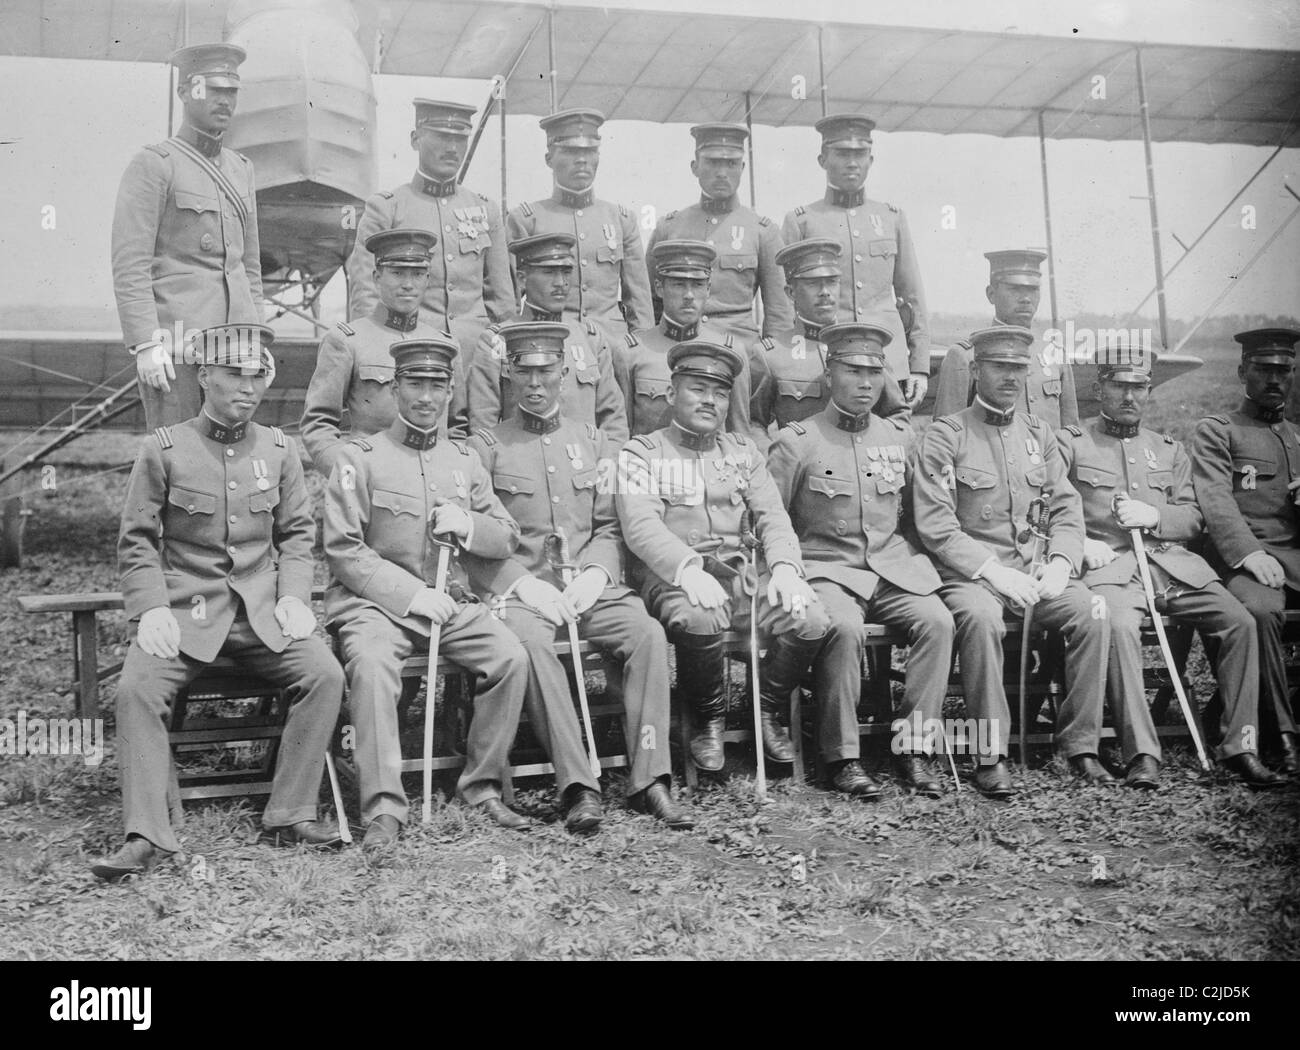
column 1036, row 519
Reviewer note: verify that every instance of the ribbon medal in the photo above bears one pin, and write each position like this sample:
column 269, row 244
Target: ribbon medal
column 262, row 474
column 1034, row 449
column 575, row 456
column 737, row 238
column 877, row 226
column 1046, row 357
column 611, row 235
column 1152, row 462
column 459, row 478
column 579, row 354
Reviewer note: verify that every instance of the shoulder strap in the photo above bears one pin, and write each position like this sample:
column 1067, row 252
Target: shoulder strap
column 901, row 424
column 461, row 447
column 486, row 436
column 769, row 344
column 670, row 216
column 164, row 436
column 347, row 329
column 1033, row 420
column 1220, row 419
column 645, row 440
column 892, row 207
column 952, row 422
column 386, row 194
column 800, row 210
column 224, row 186
column 632, row 340
column 797, row 427
column 159, row 149
column 1075, row 429
column 624, row 212
column 526, row 208
column 362, row 444
column 592, row 329
column 279, row 437
column 763, row 220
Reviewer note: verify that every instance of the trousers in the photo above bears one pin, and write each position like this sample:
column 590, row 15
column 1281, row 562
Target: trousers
column 1266, row 605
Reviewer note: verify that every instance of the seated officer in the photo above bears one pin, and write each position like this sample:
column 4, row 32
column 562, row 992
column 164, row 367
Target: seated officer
column 386, row 495
column 546, row 469
column 545, row 265
column 215, row 556
column 1130, row 477
column 682, row 493
column 353, row 369
column 843, row 474
column 977, row 473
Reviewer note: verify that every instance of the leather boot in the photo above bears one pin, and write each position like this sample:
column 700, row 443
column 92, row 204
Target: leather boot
column 701, row 663
column 137, row 856
column 1290, row 754
column 1253, row 772
column 657, row 801
column 787, row 661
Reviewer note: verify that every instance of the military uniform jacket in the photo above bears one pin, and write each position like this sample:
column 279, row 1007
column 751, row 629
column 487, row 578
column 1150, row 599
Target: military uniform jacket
column 1242, row 466
column 747, row 244
column 207, row 526
column 644, row 377
column 549, row 480
column 878, row 265
column 354, row 373
column 674, row 496
column 611, row 263
column 469, row 271
column 377, row 507
column 1049, row 388
column 973, row 485
column 1148, row 467
column 590, row 393
column 846, row 491
column 181, row 250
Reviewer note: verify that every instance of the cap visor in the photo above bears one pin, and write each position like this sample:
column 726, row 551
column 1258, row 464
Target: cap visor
column 1269, row 357
column 219, row 80
column 858, row 360
column 579, row 141
column 734, row 152
column 1123, row 376
column 817, row 271
column 534, row 359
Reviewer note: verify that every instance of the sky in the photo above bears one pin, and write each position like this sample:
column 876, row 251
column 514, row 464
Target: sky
column 70, row 127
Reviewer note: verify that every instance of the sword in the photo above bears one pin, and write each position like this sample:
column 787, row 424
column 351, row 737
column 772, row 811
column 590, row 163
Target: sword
column 1148, row 588
column 345, row 832
column 1036, row 526
column 557, row 553
column 750, row 542
column 445, row 548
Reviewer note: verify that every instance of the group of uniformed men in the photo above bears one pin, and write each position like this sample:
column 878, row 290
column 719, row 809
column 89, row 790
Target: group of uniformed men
column 547, row 443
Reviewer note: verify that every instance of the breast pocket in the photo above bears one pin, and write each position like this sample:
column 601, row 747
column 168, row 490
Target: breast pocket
column 1096, row 477
column 196, row 201
column 652, row 388
column 1052, row 387
column 975, row 478
column 882, row 249
column 606, row 254
column 398, row 504
column 1161, row 481
column 264, row 502
column 1036, row 476
column 889, row 480
column 514, row 484
column 374, row 374
column 1247, row 472
column 192, row 501
column 682, row 495
column 585, row 479
column 798, row 390
column 587, row 376
column 738, row 261
column 475, row 245
column 831, row 487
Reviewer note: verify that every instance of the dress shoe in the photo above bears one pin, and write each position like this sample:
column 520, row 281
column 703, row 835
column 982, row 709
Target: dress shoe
column 915, row 773
column 777, row 745
column 1253, row 772
column 1143, row 772
column 1290, row 754
column 503, row 814
column 382, row 833
column 994, row 781
column 317, row 833
column 136, row 857
column 853, row 780
column 707, row 750
column 657, row 801
column 1090, row 770
column 583, row 816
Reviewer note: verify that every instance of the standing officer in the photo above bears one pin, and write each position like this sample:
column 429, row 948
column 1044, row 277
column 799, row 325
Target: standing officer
column 682, row 274
column 746, row 242
column 1130, row 477
column 683, row 491
column 545, row 267
column 354, row 370
column 883, row 276
column 185, row 249
column 1014, row 288
column 977, row 474
column 469, row 278
column 386, row 494
column 844, row 476
column 546, row 469
column 215, row 556
column 790, row 370
column 613, row 289
column 1246, row 468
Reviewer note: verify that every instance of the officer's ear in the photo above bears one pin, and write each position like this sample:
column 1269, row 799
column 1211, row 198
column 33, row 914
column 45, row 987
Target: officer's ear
column 549, row 158
column 695, row 166
column 821, row 158
column 671, row 394
column 988, row 293
column 415, row 139
column 659, row 287
column 203, row 377
column 789, row 290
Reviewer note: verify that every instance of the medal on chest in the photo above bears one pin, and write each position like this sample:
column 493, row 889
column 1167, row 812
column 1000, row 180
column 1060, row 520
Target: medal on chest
column 877, row 227
column 737, row 238
column 579, row 354
column 1034, row 449
column 1152, row 462
column 458, row 477
column 1046, row 357
column 262, row 475
column 575, row 456
column 611, row 235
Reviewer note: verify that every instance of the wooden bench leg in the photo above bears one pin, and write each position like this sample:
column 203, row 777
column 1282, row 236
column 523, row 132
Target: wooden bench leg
column 796, row 732
column 85, row 663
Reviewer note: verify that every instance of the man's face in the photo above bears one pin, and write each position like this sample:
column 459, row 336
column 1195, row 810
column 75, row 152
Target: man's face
column 402, row 287
column 1124, row 402
column 699, row 404
column 1015, row 299
column 1000, row 383
column 441, row 154
column 816, row 299
column 855, row 388
column 420, row 399
column 846, row 169
column 538, row 386
column 547, row 287
column 719, row 177
column 683, row 297
column 207, row 107
column 1268, row 385
column 231, row 395
column 574, row 167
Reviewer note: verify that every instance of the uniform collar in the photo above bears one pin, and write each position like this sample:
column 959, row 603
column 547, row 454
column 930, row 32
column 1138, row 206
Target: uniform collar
column 678, row 332
column 432, row 187
column 846, row 420
column 846, row 198
column 574, row 198
column 398, row 322
column 223, row 432
column 535, row 424
column 810, row 330
column 1255, row 410
column 208, row 145
column 695, row 442
column 536, row 313
column 995, row 417
column 1119, row 430
column 717, row 205
column 411, row 436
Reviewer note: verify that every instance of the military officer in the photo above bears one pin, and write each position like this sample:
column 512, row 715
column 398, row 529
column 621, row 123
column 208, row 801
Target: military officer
column 545, row 266
column 1246, row 469
column 844, row 476
column 746, row 242
column 1131, row 477
column 978, row 472
column 1014, row 288
column 354, row 370
column 683, row 491
column 612, row 289
column 215, row 557
column 882, row 276
column 386, row 495
column 185, row 248
column 682, row 274
column 469, row 276
column 789, row 370
column 546, row 469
